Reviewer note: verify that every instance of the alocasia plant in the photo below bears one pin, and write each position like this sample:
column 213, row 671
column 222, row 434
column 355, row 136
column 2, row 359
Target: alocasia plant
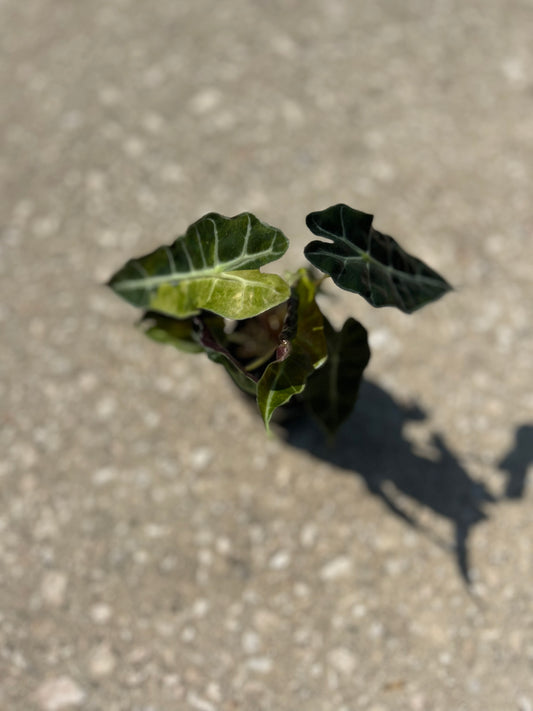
column 205, row 293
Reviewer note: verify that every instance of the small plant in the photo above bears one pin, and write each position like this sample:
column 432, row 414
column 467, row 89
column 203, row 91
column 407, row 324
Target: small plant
column 206, row 293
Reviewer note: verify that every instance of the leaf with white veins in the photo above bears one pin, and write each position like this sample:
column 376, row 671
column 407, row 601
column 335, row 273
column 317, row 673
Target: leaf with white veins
column 370, row 263
column 214, row 267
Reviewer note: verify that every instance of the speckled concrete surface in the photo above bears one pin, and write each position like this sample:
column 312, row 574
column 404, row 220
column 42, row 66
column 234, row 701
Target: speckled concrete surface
column 157, row 552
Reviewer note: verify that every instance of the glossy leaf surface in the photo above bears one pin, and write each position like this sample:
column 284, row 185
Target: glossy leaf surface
column 234, row 295
column 331, row 391
column 302, row 349
column 369, row 263
column 214, row 267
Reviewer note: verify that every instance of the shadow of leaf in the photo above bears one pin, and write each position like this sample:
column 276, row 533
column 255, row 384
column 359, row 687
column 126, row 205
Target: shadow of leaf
column 372, row 445
column 517, row 461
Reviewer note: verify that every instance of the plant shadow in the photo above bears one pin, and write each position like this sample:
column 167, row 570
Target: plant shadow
column 517, row 461
column 372, row 444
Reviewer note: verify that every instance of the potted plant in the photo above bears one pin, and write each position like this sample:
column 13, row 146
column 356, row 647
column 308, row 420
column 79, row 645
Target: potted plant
column 206, row 293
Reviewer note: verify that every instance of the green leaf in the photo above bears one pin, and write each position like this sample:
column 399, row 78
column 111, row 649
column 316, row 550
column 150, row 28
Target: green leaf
column 174, row 332
column 234, row 295
column 302, row 349
column 331, row 391
column 214, row 267
column 180, row 333
column 370, row 263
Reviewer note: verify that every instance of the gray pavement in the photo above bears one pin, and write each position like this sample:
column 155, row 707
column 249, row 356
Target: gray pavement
column 157, row 551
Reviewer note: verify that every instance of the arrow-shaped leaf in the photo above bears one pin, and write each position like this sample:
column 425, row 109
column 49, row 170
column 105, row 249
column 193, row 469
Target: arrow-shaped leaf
column 302, row 349
column 332, row 390
column 370, row 263
column 214, row 266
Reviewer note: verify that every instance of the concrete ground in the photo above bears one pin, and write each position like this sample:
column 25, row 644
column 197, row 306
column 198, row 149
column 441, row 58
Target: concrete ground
column 157, row 551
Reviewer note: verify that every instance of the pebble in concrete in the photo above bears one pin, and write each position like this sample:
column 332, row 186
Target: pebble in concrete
column 59, row 693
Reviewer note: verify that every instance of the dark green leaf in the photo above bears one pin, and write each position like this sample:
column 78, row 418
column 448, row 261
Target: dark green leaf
column 302, row 349
column 370, row 263
column 331, row 391
column 214, row 267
